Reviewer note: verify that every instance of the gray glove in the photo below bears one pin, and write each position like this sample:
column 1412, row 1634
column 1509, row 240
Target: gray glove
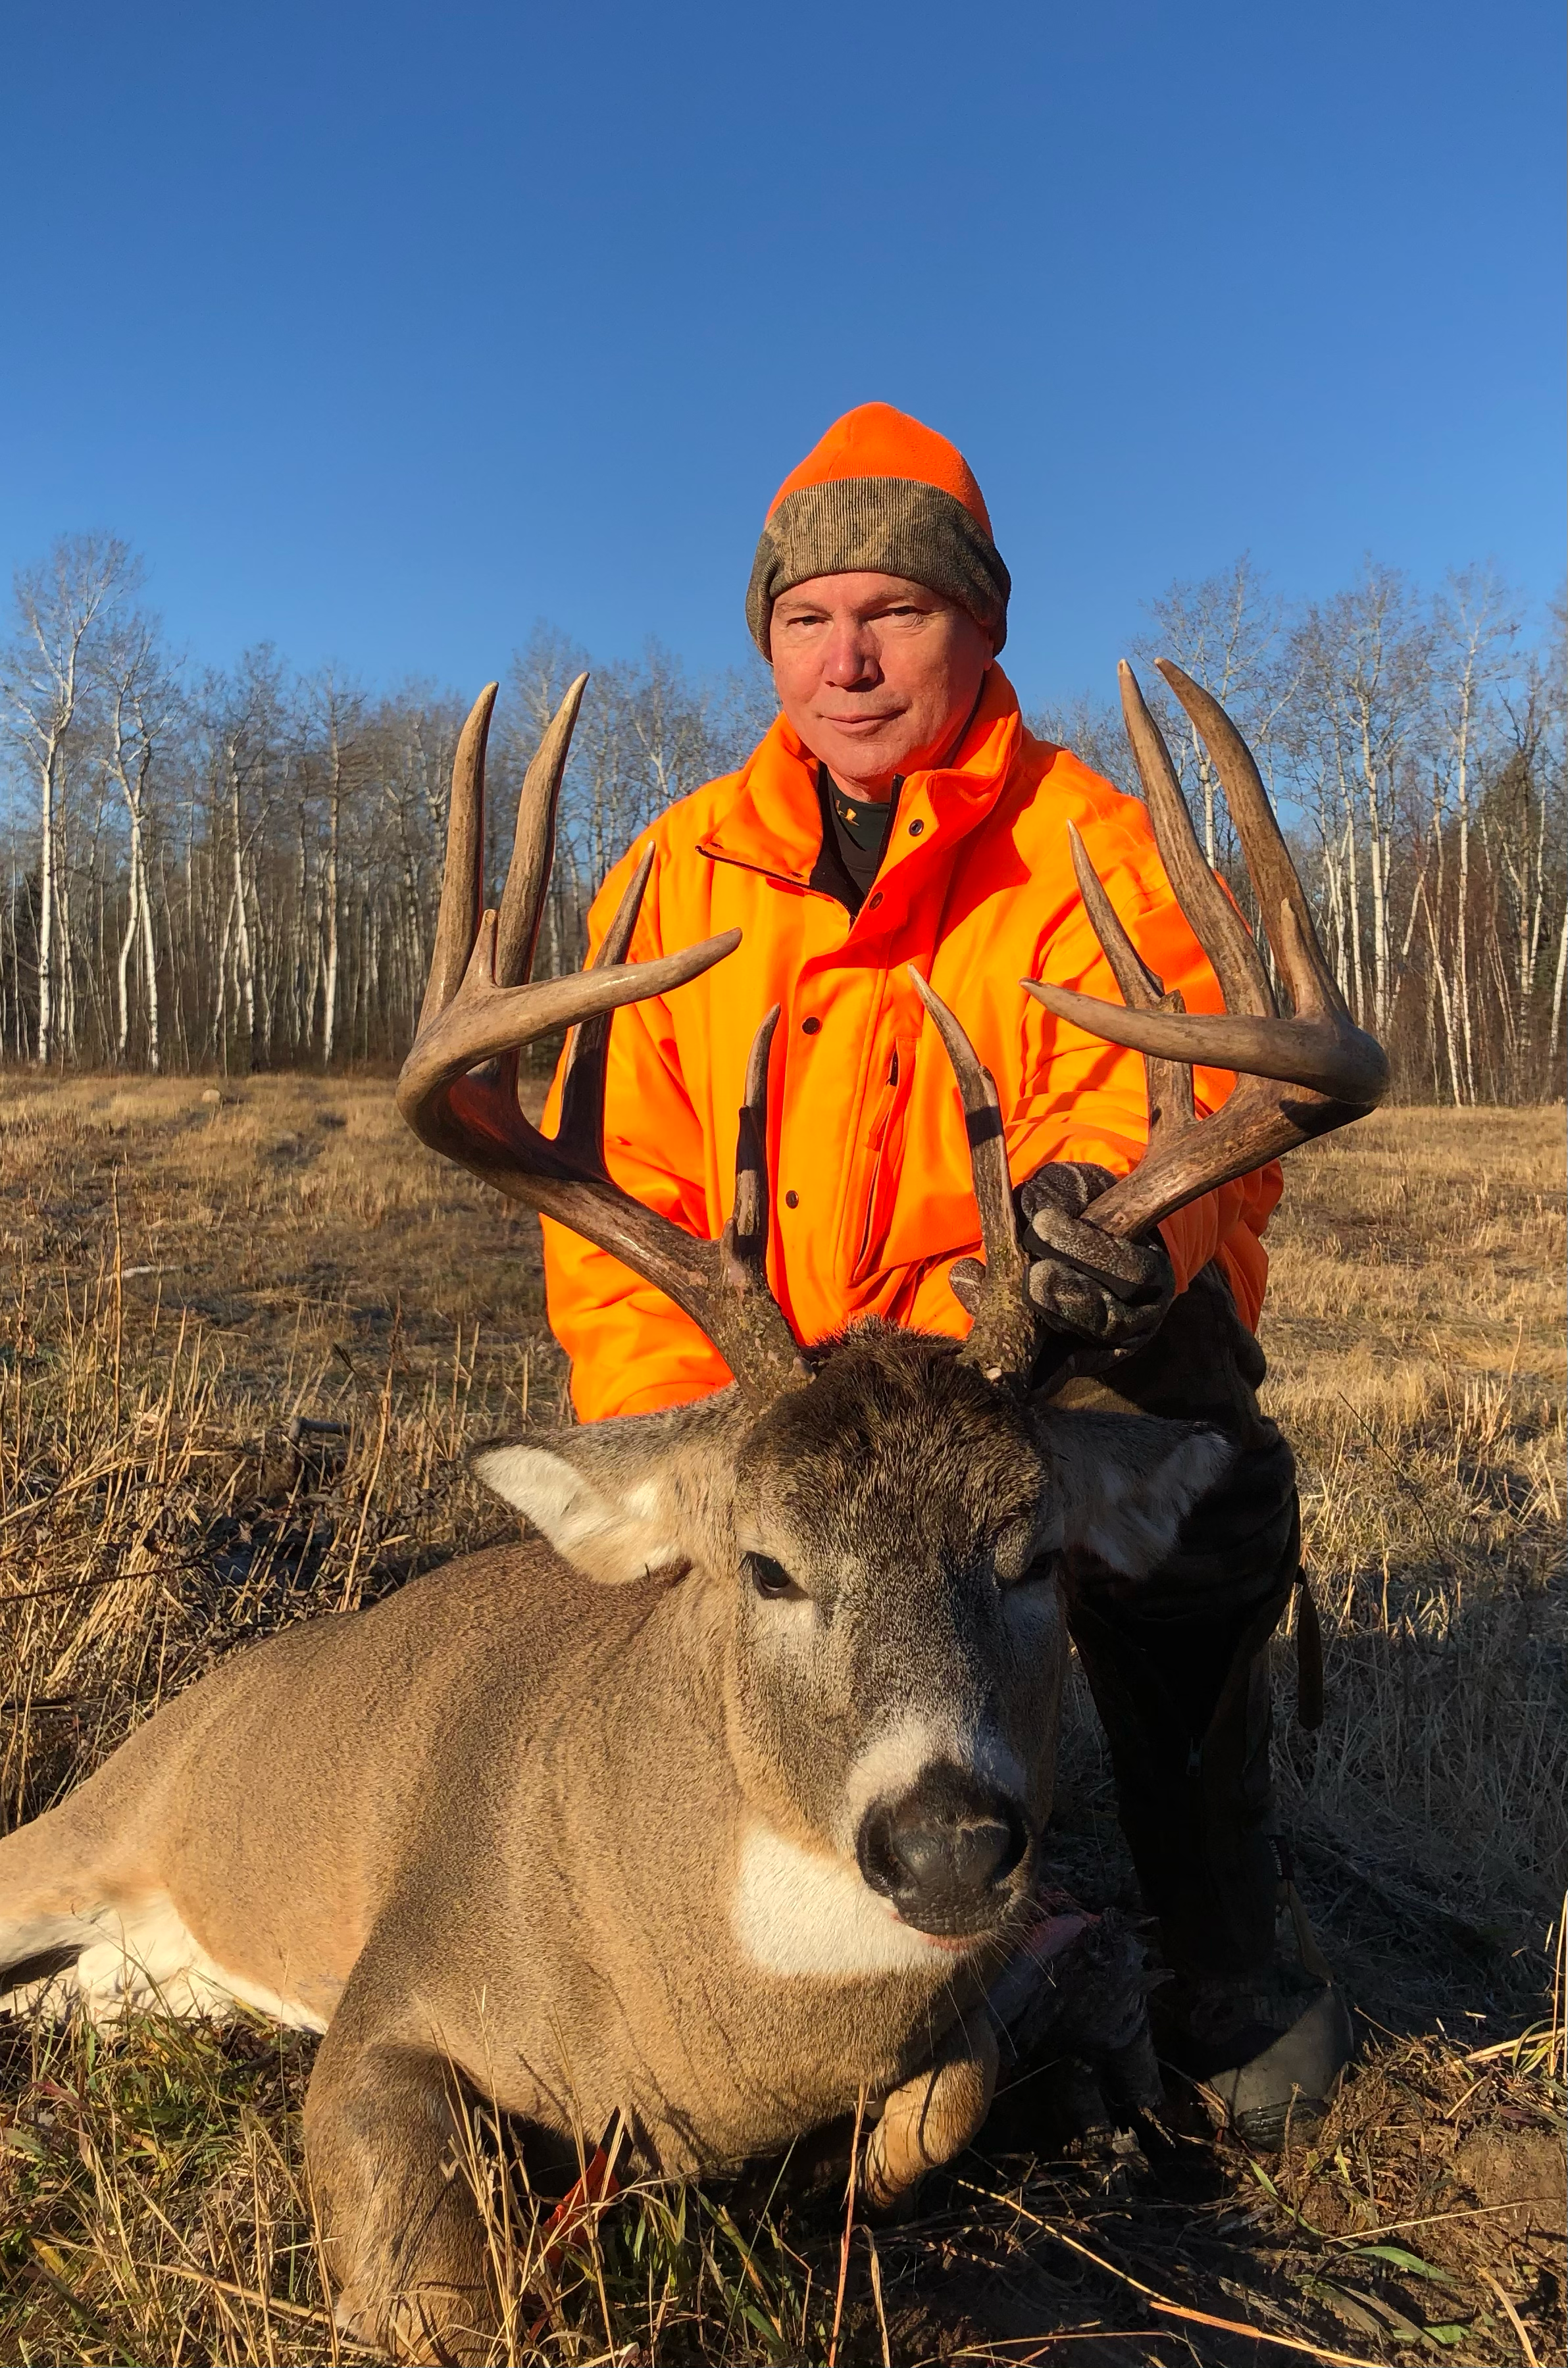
column 1087, row 1284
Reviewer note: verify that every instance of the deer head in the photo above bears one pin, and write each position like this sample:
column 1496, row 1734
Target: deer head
column 871, row 1527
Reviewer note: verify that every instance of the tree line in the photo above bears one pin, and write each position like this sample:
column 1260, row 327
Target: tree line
column 1417, row 747
column 238, row 870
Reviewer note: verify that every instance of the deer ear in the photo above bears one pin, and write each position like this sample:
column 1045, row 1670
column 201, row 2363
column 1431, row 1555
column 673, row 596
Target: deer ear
column 639, row 1495
column 605, row 1512
column 621, row 1499
column 1124, row 1482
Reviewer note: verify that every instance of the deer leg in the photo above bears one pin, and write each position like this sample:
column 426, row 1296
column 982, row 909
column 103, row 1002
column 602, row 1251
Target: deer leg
column 934, row 2116
column 388, row 2159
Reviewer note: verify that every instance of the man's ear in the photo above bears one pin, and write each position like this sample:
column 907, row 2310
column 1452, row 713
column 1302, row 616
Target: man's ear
column 624, row 1500
column 1124, row 1482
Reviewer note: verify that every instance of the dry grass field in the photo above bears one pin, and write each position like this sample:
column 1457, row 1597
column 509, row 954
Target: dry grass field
column 179, row 1277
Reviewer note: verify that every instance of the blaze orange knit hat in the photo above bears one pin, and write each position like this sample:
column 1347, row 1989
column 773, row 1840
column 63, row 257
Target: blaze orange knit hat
column 882, row 494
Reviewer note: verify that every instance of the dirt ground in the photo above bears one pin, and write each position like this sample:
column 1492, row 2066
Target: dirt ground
column 181, row 1276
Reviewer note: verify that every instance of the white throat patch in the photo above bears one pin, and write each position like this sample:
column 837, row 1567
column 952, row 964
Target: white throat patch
column 796, row 1912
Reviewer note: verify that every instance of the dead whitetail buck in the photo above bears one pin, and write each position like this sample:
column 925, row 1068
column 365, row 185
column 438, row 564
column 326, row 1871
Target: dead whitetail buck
column 716, row 1801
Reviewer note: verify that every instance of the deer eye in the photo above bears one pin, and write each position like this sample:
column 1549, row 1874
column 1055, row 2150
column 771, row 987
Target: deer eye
column 1044, row 1567
column 1012, row 1556
column 770, row 1579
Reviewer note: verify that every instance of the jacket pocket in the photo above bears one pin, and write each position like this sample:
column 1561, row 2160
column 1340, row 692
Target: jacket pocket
column 882, row 1136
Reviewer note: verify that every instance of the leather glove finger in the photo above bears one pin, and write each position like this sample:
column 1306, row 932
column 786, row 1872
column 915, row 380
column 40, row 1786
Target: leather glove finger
column 1066, row 1184
column 1072, row 1305
column 1133, row 1271
column 1086, row 1282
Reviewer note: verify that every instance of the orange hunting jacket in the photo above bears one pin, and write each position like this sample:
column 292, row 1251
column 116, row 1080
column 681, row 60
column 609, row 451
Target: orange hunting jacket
column 872, row 1197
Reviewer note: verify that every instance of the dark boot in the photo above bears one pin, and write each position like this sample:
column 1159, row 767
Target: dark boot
column 1178, row 1666
column 1251, row 2010
column 1189, row 1747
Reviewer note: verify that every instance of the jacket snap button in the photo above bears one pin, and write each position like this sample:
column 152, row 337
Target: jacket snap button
column 791, row 1200
column 916, row 828
column 875, row 901
column 809, row 1027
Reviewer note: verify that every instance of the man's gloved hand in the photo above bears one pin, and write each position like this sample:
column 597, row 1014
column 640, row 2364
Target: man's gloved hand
column 1087, row 1284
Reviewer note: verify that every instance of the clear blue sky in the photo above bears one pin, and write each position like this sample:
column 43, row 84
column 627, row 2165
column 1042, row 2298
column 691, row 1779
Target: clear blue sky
column 384, row 330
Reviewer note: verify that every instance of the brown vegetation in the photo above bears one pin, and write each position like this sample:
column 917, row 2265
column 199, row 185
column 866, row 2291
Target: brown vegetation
column 181, row 1277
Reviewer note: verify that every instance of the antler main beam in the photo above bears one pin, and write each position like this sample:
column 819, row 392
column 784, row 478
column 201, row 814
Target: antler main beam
column 458, row 1088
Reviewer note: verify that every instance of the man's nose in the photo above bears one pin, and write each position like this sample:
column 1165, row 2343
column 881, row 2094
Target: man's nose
column 942, row 1851
column 851, row 662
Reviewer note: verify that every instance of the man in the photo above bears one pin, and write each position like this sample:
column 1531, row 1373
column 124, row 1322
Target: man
column 898, row 813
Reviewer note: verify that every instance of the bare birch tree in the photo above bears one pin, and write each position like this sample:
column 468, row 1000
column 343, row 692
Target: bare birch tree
column 139, row 698
column 45, row 681
column 1473, row 630
column 1224, row 630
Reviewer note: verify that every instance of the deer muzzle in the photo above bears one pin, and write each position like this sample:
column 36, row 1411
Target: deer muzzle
column 944, row 1853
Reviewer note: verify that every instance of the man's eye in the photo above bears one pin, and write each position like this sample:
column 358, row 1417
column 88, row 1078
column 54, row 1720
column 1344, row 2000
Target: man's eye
column 770, row 1579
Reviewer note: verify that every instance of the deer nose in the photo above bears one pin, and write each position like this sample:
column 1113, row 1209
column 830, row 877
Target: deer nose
column 940, row 1848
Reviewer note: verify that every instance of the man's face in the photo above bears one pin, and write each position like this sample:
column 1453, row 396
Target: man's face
column 877, row 675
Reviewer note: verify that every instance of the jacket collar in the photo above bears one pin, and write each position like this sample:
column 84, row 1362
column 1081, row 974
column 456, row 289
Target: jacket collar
column 774, row 823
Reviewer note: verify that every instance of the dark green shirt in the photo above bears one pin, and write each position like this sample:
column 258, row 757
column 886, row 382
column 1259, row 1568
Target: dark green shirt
column 855, row 833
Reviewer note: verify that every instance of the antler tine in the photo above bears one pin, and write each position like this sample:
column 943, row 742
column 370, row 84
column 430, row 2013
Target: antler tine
column 482, row 1022
column 1004, row 1336
column 1216, row 923
column 458, row 1088
column 580, row 1135
column 746, row 1235
column 533, row 847
column 1287, row 916
column 1169, row 1083
column 1341, row 1062
column 463, row 881
column 1136, row 980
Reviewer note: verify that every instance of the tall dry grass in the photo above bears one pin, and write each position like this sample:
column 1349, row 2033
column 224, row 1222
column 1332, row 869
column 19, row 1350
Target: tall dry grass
column 181, row 1278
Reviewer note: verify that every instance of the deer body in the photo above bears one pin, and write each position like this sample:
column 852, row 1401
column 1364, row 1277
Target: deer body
column 629, row 1822
column 532, row 1834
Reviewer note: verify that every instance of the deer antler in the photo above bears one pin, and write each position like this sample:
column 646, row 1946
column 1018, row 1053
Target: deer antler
column 458, row 1088
column 1003, row 1337
column 1299, row 1074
